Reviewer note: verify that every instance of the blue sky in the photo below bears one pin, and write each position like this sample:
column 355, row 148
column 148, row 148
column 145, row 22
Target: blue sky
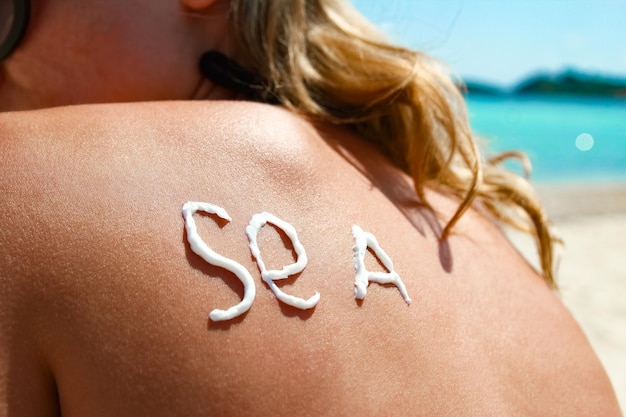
column 503, row 41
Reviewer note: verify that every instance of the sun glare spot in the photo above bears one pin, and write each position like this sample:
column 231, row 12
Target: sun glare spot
column 584, row 142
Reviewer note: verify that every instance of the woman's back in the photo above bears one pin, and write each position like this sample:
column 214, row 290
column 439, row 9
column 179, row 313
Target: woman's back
column 105, row 306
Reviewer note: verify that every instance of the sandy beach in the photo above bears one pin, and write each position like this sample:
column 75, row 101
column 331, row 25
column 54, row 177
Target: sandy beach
column 591, row 219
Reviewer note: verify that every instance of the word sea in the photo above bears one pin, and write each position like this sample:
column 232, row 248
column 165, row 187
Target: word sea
column 362, row 240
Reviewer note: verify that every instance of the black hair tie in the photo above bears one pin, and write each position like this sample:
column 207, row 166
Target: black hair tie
column 227, row 73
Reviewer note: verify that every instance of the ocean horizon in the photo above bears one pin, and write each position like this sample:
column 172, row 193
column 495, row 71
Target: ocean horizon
column 567, row 138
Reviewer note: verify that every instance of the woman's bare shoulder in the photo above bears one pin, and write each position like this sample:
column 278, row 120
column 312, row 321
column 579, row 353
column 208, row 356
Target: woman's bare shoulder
column 104, row 284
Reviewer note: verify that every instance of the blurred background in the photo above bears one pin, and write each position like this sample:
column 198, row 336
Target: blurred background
column 547, row 77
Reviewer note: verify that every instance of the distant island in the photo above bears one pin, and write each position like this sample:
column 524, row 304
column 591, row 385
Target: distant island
column 568, row 82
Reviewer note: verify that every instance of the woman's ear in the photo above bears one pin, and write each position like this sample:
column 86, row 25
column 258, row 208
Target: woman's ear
column 197, row 5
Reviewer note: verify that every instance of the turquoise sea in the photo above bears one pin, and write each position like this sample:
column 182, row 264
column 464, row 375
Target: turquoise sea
column 568, row 139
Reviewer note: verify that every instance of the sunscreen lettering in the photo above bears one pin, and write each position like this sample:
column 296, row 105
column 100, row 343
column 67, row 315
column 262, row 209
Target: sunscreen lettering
column 200, row 248
column 269, row 276
column 363, row 240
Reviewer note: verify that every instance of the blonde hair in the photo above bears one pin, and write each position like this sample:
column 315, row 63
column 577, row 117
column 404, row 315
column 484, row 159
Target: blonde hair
column 321, row 58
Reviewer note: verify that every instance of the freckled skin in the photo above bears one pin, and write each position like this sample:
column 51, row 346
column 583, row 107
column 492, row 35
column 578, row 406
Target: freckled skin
column 104, row 307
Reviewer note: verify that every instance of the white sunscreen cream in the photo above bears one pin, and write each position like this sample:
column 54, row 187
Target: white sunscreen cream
column 200, row 248
column 269, row 276
column 363, row 277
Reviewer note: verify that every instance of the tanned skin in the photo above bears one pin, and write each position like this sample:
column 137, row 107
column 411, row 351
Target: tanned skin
column 104, row 307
